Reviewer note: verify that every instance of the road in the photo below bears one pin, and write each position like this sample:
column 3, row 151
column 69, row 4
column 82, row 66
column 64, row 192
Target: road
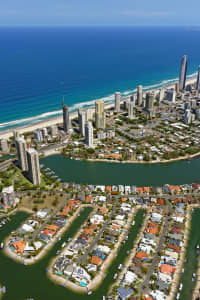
column 37, row 232
column 83, row 258
column 144, row 287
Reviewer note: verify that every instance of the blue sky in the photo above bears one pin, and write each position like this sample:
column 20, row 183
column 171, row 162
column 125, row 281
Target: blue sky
column 100, row 12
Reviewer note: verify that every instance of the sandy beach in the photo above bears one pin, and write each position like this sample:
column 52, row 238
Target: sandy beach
column 58, row 120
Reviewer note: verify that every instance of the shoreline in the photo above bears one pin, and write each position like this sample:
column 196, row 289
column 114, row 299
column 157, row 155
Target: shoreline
column 47, row 247
column 97, row 280
column 7, row 133
column 186, row 157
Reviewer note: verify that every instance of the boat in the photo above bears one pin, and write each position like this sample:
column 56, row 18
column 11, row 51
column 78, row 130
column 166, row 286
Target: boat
column 89, row 292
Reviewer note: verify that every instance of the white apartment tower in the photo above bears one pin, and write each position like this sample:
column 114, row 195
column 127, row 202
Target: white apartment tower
column 21, row 153
column 117, row 102
column 82, row 120
column 89, row 134
column 33, row 166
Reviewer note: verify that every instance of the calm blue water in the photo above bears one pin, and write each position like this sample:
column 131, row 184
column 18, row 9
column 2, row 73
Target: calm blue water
column 40, row 65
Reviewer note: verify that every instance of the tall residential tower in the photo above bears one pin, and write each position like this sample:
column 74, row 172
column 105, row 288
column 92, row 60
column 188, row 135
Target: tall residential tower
column 117, row 102
column 100, row 114
column 198, row 81
column 183, row 72
column 33, row 166
column 139, row 95
column 66, row 120
column 82, row 120
column 21, row 153
column 89, row 134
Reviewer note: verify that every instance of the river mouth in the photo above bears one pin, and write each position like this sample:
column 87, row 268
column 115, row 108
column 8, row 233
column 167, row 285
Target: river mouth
column 107, row 173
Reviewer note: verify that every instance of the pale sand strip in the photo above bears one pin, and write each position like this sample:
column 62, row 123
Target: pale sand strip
column 47, row 247
column 58, row 120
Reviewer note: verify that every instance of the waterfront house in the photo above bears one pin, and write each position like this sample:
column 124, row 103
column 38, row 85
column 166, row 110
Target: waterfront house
column 91, row 268
column 81, row 275
column 129, row 278
column 69, row 270
column 124, row 293
column 18, row 246
column 96, row 260
column 167, row 269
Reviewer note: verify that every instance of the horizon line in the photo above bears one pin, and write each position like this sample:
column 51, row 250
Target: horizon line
column 98, row 25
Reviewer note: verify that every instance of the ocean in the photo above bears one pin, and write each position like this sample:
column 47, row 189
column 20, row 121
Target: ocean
column 40, row 66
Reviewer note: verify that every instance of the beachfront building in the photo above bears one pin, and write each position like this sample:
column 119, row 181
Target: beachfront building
column 33, row 166
column 89, row 134
column 183, row 72
column 8, row 196
column 161, row 95
column 130, row 110
column 53, row 130
column 21, row 153
column 4, row 146
column 16, row 134
column 100, row 121
column 66, row 120
column 177, row 88
column 38, row 136
column 198, row 82
column 150, row 103
column 89, row 114
column 117, row 101
column 81, row 120
column 44, row 132
column 170, row 95
column 139, row 95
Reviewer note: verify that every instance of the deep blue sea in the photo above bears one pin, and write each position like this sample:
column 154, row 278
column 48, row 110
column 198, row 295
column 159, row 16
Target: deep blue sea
column 38, row 66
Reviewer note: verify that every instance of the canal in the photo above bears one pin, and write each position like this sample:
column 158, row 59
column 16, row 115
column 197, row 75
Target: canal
column 179, row 172
column 191, row 262
column 24, row 282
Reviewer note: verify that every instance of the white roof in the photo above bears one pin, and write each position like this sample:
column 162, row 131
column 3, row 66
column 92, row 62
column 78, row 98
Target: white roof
column 27, row 228
column 104, row 249
column 130, row 277
column 37, row 245
column 8, row 190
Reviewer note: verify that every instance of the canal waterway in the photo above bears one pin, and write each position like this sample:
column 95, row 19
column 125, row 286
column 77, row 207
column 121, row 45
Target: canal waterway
column 179, row 172
column 31, row 281
column 191, row 262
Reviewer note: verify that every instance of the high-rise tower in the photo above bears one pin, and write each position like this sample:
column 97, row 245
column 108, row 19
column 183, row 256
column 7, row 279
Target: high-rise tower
column 82, row 120
column 66, row 120
column 21, row 153
column 117, row 102
column 89, row 134
column 33, row 166
column 183, row 72
column 139, row 95
column 100, row 114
